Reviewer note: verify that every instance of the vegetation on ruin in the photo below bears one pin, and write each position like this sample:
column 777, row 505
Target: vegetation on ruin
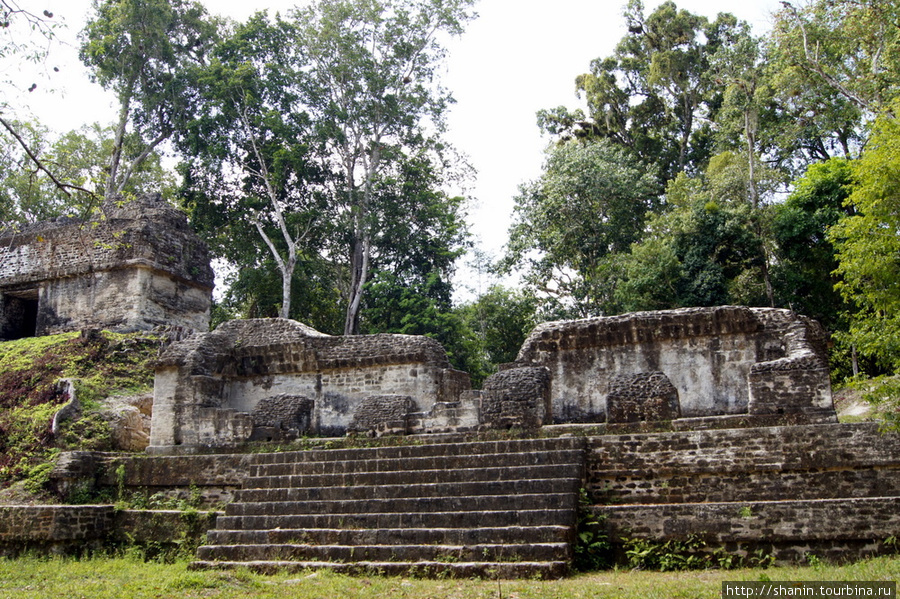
column 705, row 165
column 101, row 578
column 103, row 364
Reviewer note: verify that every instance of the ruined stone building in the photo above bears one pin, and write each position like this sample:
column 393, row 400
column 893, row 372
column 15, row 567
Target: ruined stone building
column 134, row 266
column 267, row 378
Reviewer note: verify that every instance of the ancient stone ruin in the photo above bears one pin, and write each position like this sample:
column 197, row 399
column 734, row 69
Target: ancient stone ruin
column 712, row 428
column 274, row 379
column 687, row 363
column 709, row 426
column 134, row 266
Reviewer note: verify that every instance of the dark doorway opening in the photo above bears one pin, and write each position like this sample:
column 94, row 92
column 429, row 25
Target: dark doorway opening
column 19, row 314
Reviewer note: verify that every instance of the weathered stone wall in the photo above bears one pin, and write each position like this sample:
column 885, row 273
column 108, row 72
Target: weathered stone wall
column 829, row 490
column 724, row 360
column 835, row 530
column 136, row 266
column 208, row 387
column 212, row 478
column 63, row 529
column 516, row 398
column 796, row 462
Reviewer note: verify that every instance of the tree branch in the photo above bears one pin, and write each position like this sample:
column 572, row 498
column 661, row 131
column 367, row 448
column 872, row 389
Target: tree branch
column 63, row 187
column 813, row 61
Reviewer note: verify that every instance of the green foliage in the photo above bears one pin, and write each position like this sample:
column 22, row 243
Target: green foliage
column 316, row 155
column 590, row 202
column 77, row 159
column 501, row 318
column 592, row 550
column 883, row 393
column 803, row 273
column 702, row 253
column 29, row 395
column 654, row 97
column 691, row 553
column 867, row 246
column 393, row 306
column 372, row 94
column 846, row 46
column 143, row 51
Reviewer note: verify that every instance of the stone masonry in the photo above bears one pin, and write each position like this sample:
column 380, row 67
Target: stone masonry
column 135, row 266
column 210, row 388
column 272, row 379
column 719, row 361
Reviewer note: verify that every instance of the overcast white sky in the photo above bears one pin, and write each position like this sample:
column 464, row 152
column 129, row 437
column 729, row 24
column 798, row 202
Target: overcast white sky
column 518, row 57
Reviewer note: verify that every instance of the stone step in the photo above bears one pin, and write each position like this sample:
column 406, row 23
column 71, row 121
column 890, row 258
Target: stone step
column 454, row 448
column 416, row 463
column 398, row 536
column 454, row 519
column 408, row 477
column 386, row 553
column 435, row 569
column 452, row 509
column 452, row 489
column 405, row 505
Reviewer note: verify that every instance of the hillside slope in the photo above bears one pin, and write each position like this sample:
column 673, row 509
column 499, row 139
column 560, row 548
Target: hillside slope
column 101, row 364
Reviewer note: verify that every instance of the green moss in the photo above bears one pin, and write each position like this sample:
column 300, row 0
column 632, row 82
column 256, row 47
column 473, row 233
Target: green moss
column 101, row 365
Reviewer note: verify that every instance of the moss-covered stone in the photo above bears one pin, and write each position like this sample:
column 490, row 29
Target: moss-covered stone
column 100, row 363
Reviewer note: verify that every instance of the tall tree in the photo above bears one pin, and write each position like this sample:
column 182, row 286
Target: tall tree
column 590, row 202
column 654, row 95
column 250, row 143
column 30, row 190
column 142, row 50
column 867, row 246
column 370, row 89
column 851, row 46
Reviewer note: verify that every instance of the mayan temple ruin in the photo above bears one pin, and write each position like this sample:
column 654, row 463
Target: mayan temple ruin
column 134, row 266
column 372, row 454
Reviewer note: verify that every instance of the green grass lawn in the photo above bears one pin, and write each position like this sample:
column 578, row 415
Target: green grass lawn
column 123, row 577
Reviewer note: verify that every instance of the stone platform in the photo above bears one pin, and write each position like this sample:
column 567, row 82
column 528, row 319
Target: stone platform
column 456, row 505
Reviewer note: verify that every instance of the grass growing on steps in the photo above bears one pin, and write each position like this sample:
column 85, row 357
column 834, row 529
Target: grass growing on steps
column 101, row 578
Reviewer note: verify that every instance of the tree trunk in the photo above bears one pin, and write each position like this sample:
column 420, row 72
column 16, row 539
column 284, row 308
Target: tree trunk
column 359, row 271
column 750, row 135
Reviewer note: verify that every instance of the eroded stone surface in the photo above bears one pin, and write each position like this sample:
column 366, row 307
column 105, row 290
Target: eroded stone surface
column 641, row 397
column 134, row 267
column 208, row 386
column 722, row 360
column 517, row 398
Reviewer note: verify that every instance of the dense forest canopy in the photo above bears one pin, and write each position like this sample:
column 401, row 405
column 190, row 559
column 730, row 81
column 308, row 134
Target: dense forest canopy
column 704, row 165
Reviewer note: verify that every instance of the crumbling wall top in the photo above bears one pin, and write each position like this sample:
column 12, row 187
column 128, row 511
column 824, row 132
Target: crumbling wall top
column 276, row 345
column 144, row 231
column 637, row 328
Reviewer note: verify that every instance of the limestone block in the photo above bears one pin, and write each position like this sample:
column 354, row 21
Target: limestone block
column 129, row 420
column 516, row 398
column 384, row 413
column 283, row 416
column 645, row 396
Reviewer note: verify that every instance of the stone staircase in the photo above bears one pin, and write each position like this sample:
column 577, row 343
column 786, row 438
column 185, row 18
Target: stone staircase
column 504, row 509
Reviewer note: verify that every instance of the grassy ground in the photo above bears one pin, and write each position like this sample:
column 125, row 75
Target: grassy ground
column 124, row 577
